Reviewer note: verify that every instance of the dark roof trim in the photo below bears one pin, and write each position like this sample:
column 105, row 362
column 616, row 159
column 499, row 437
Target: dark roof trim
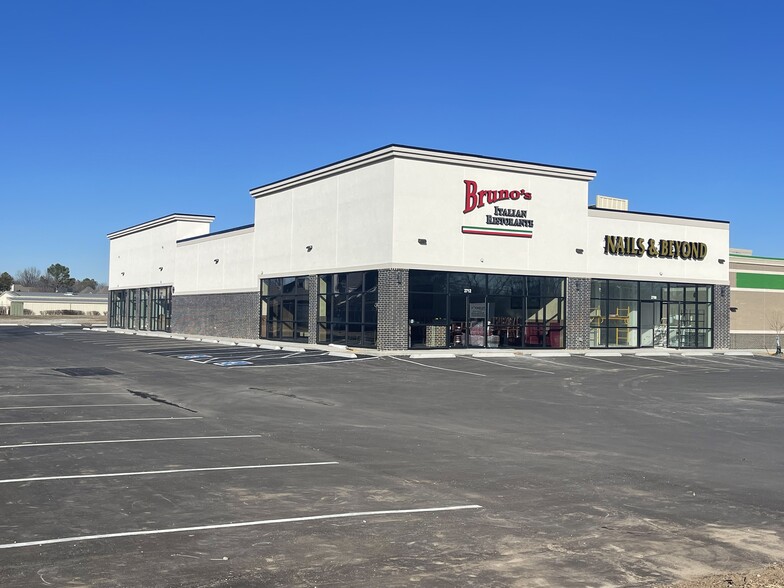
column 161, row 218
column 215, row 233
column 398, row 145
column 710, row 220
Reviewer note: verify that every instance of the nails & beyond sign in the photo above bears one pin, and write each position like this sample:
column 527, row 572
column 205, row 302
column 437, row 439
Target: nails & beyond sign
column 668, row 248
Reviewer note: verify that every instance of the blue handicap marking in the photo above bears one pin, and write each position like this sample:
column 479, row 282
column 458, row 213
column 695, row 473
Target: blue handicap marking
column 232, row 363
column 197, row 356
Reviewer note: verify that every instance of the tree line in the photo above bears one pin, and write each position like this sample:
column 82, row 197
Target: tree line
column 56, row 279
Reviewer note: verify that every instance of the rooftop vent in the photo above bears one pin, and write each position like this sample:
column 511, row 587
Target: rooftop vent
column 612, row 203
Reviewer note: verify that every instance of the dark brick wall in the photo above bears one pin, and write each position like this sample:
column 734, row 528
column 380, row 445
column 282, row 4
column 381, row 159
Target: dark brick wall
column 313, row 299
column 578, row 311
column 220, row 315
column 721, row 317
column 392, row 310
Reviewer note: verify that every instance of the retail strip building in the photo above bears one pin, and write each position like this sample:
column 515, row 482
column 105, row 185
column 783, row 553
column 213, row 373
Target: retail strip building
column 405, row 248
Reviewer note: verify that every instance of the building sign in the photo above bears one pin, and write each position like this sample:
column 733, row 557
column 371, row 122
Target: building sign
column 501, row 216
column 637, row 247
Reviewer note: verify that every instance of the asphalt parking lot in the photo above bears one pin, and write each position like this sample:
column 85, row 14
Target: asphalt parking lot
column 136, row 461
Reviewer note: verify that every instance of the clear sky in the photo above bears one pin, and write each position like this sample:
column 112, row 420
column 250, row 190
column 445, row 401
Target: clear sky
column 113, row 113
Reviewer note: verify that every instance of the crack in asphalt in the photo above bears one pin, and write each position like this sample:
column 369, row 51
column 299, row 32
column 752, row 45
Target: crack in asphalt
column 293, row 396
column 154, row 398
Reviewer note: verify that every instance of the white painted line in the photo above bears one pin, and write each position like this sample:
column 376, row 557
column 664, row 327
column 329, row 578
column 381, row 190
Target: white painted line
column 603, row 354
column 161, row 472
column 600, row 358
column 293, row 349
column 66, row 394
column 433, row 367
column 512, row 367
column 342, row 515
column 102, row 441
column 101, row 421
column 551, row 354
column 494, row 354
column 73, row 406
column 739, row 353
column 318, row 363
column 342, row 354
column 432, row 356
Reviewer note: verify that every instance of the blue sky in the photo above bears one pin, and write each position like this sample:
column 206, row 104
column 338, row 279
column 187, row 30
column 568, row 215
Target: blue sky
column 114, row 113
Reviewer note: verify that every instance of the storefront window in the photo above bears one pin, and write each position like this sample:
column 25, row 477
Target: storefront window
column 451, row 309
column 650, row 314
column 160, row 308
column 117, row 309
column 284, row 309
column 348, row 308
column 128, row 309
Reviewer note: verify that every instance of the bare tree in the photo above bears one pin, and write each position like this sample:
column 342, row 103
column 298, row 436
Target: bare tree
column 29, row 276
column 776, row 322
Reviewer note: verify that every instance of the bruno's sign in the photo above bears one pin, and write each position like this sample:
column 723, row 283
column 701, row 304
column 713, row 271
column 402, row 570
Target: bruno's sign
column 638, row 247
column 503, row 221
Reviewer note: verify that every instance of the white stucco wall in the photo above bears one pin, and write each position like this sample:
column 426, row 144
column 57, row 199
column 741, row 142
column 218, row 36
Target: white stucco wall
column 430, row 203
column 346, row 219
column 197, row 271
column 137, row 254
column 605, row 222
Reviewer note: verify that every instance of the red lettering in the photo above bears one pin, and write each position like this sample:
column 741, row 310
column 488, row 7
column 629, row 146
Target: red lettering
column 477, row 199
column 470, row 196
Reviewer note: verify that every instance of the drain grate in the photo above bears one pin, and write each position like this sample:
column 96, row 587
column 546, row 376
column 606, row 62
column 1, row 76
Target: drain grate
column 87, row 371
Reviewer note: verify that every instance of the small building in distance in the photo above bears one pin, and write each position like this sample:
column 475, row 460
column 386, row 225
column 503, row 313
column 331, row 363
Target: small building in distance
column 17, row 303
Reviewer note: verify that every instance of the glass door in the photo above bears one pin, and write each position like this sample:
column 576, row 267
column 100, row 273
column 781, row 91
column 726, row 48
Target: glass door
column 674, row 326
column 649, row 321
column 476, row 310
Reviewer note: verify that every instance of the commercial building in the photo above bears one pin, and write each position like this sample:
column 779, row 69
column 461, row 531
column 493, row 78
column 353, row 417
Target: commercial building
column 404, row 247
column 53, row 303
column 756, row 301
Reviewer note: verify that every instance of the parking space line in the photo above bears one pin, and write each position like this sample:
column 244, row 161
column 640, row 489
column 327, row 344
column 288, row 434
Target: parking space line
column 567, row 364
column 133, row 404
column 667, row 363
column 513, row 367
column 100, row 421
column 609, row 361
column 434, row 367
column 66, row 394
column 102, row 441
column 162, row 472
column 343, row 515
column 298, row 364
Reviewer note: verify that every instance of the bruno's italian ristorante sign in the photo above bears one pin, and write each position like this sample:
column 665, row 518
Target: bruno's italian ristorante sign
column 668, row 248
column 504, row 219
